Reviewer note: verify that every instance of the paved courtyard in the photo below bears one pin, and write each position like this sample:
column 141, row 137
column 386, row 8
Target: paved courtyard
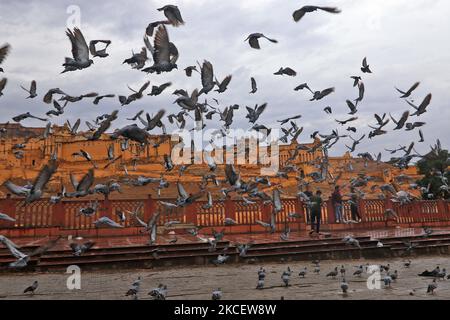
column 236, row 281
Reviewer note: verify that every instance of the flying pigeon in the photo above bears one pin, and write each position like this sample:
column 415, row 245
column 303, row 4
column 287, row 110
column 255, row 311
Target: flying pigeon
column 253, row 40
column 300, row 13
column 365, row 67
column 99, row 53
column 80, row 52
column 173, row 14
column 4, row 51
column 31, row 91
column 407, row 94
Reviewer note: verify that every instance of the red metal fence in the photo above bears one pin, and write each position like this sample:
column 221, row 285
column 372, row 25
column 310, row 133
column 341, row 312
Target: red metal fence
column 65, row 216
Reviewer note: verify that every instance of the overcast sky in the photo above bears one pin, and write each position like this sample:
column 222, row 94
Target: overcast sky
column 405, row 41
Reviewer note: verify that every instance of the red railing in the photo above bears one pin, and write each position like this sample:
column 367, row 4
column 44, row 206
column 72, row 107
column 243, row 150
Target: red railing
column 65, row 215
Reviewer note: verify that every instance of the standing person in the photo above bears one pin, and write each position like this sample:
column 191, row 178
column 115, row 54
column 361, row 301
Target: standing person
column 336, row 200
column 309, row 194
column 316, row 210
column 354, row 206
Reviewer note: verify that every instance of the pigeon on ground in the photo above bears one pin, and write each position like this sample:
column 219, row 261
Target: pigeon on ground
column 344, row 286
column 217, row 294
column 432, row 287
column 32, row 289
column 135, row 288
column 286, row 276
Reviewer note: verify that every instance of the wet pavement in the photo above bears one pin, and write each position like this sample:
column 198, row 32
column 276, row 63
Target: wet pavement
column 238, row 282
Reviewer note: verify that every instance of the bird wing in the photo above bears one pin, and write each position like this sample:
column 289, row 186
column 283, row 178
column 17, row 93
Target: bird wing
column 44, row 176
column 426, row 102
column 181, row 191
column 173, row 14
column 351, row 105
column 105, row 125
column 3, row 83
column 253, row 81
column 230, row 174
column 173, row 50
column 404, row 118
column 86, row 182
column 33, row 87
column 144, row 87
column 327, row 92
column 364, row 63
column 261, row 109
column 226, row 81
column 92, row 49
column 44, row 248
column 90, row 95
column 277, row 200
column 80, row 50
column 298, row 14
column 165, row 86
column 149, row 45
column 76, row 126
column 4, row 52
column 254, row 43
column 15, row 189
column 162, row 46
column 330, row 9
column 414, row 87
column 400, row 91
column 12, row 247
column 207, row 73
column 156, row 119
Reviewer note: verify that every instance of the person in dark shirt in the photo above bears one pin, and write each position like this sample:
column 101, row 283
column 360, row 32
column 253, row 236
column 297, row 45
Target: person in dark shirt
column 316, row 210
column 354, row 206
column 336, row 200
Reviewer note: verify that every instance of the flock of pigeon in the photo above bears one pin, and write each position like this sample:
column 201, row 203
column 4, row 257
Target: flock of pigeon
column 386, row 276
column 164, row 55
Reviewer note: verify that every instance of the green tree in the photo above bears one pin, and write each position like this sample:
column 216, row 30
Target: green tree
column 434, row 167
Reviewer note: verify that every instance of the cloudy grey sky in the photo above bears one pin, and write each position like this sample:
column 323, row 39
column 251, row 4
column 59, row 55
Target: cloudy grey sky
column 404, row 41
